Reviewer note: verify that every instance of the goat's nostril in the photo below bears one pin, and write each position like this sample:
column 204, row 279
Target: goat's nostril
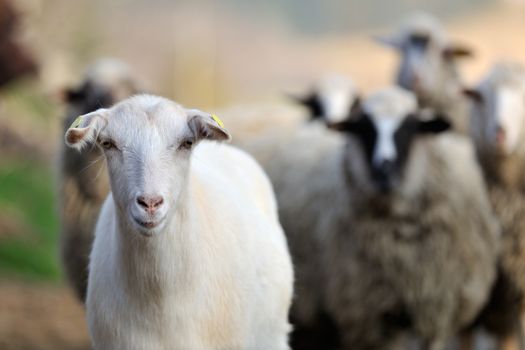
column 157, row 202
column 142, row 201
column 150, row 203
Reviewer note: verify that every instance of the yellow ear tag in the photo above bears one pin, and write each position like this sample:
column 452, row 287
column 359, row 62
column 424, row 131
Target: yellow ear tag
column 217, row 120
column 77, row 122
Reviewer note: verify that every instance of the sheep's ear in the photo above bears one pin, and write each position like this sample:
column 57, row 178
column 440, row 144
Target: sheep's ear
column 86, row 128
column 72, row 95
column 309, row 101
column 388, row 41
column 455, row 50
column 207, row 126
column 436, row 125
column 473, row 94
column 347, row 125
column 75, row 94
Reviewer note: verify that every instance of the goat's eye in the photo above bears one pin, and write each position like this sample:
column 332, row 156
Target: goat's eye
column 107, row 144
column 187, row 144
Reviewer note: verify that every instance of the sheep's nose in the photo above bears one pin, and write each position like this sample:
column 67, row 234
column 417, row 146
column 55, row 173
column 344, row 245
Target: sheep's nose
column 385, row 167
column 150, row 203
column 415, row 82
column 382, row 174
column 500, row 135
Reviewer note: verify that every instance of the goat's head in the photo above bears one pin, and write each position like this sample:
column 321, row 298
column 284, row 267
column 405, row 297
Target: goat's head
column 148, row 142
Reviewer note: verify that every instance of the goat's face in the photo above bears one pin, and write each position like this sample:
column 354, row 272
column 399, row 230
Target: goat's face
column 383, row 130
column 498, row 116
column 147, row 142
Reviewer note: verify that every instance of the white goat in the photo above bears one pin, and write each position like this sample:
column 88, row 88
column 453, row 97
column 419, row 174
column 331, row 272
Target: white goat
column 188, row 250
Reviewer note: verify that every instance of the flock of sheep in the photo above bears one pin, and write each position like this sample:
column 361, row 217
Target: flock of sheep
column 402, row 211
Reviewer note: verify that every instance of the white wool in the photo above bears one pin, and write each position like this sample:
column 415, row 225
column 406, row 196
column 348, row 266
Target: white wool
column 502, row 108
column 336, row 94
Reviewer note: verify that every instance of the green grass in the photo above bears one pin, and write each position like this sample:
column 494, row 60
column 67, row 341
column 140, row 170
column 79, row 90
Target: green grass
column 28, row 189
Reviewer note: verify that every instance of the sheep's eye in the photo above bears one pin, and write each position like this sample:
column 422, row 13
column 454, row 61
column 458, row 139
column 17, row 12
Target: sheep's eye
column 107, row 144
column 187, row 144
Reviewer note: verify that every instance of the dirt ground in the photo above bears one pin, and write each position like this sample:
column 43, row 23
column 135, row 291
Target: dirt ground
column 41, row 317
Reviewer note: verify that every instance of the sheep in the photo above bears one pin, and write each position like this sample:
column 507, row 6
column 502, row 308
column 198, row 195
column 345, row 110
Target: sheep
column 429, row 66
column 188, row 250
column 498, row 130
column 331, row 98
column 420, row 253
column 15, row 60
column 304, row 165
column 83, row 184
column 249, row 121
column 325, row 192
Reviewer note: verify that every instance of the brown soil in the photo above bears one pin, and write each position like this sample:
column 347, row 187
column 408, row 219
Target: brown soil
column 40, row 317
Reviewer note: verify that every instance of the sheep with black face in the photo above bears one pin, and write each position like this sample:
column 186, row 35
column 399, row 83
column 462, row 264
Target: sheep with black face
column 428, row 66
column 419, row 256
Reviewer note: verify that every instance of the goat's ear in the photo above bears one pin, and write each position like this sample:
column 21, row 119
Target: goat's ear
column 435, row 125
column 86, row 128
column 473, row 94
column 388, row 41
column 455, row 50
column 207, row 126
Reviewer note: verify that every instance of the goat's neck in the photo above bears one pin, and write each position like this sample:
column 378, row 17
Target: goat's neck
column 161, row 263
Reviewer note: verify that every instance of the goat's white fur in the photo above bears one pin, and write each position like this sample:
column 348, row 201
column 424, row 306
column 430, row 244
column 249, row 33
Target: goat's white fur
column 215, row 272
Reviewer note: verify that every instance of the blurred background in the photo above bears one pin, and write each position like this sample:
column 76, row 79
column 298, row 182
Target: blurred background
column 202, row 53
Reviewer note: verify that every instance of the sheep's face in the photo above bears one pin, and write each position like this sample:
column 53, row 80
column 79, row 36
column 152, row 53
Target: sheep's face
column 426, row 65
column 419, row 67
column 384, row 129
column 331, row 99
column 498, row 117
column 148, row 143
column 106, row 82
column 427, row 58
